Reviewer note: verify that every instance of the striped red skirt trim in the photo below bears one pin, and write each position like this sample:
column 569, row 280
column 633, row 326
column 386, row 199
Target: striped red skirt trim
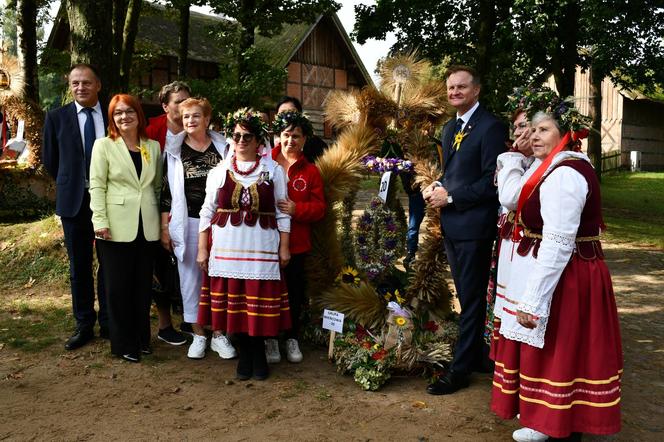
column 572, row 385
column 256, row 307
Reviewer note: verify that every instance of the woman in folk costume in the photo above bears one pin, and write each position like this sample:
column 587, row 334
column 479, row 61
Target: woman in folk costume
column 512, row 168
column 243, row 244
column 559, row 359
column 189, row 157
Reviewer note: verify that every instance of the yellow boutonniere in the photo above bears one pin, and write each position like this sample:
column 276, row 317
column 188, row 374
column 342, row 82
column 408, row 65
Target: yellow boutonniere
column 458, row 138
column 145, row 153
column 400, row 321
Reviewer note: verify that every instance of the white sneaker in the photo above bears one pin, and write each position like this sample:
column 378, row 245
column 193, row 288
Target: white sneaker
column 272, row 351
column 528, row 435
column 197, row 347
column 293, row 353
column 223, row 346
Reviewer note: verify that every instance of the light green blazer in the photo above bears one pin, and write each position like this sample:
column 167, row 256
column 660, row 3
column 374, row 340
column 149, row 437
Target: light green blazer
column 118, row 195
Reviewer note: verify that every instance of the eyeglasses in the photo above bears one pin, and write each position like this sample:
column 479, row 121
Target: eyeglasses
column 127, row 112
column 247, row 137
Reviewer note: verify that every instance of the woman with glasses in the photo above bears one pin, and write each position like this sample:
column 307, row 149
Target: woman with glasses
column 189, row 157
column 243, row 244
column 125, row 181
column 512, row 168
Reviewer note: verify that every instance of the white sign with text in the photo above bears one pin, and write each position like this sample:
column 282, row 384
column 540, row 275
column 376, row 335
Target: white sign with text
column 333, row 320
column 384, row 186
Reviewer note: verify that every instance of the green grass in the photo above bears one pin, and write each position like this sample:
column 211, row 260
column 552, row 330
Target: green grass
column 634, row 208
column 33, row 324
column 33, row 254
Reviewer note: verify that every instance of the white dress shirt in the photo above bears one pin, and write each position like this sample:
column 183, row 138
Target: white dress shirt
column 466, row 117
column 97, row 118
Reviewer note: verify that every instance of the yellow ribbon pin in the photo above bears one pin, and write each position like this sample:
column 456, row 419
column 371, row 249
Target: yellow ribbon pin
column 145, row 153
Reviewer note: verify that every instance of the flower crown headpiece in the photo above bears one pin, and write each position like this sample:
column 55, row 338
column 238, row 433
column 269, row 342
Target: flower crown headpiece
column 291, row 118
column 246, row 117
column 543, row 99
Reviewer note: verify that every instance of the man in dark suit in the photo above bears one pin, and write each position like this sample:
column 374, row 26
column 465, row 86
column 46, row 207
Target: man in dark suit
column 468, row 205
column 69, row 133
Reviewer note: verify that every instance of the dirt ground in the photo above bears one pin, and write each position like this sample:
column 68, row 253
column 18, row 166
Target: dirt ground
column 87, row 395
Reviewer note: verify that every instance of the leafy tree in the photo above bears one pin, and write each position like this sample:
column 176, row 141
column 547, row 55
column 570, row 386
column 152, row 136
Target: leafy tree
column 611, row 38
column 472, row 32
column 517, row 42
column 261, row 84
column 266, row 17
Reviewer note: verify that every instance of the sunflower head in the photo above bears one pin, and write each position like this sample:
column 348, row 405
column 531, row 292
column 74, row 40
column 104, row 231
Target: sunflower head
column 349, row 275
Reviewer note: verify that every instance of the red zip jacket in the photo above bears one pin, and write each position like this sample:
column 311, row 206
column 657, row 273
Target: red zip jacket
column 305, row 188
column 156, row 130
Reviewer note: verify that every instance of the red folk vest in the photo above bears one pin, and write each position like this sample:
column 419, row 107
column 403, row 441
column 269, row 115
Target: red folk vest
column 588, row 246
column 245, row 205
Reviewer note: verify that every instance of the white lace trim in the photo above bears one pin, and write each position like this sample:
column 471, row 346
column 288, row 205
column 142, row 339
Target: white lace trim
column 527, row 308
column 562, row 240
column 267, row 276
column 534, row 337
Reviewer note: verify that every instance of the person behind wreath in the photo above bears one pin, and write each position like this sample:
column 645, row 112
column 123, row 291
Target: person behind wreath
column 468, row 206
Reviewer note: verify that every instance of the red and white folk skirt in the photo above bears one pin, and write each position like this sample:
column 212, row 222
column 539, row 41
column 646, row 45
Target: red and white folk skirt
column 572, row 384
column 256, row 307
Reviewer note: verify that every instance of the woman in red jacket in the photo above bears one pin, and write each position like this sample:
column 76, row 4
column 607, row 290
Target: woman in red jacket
column 305, row 205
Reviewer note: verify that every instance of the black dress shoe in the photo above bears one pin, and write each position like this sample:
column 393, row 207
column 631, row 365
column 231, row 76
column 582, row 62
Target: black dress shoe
column 104, row 333
column 448, row 384
column 131, row 357
column 80, row 337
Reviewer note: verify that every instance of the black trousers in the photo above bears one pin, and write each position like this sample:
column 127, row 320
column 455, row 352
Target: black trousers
column 80, row 240
column 470, row 265
column 128, row 277
column 296, row 282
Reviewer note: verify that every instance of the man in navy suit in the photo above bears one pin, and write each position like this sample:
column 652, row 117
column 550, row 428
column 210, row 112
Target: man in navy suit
column 69, row 133
column 468, row 204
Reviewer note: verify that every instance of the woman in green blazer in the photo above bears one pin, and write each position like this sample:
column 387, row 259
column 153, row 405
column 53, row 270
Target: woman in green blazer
column 125, row 181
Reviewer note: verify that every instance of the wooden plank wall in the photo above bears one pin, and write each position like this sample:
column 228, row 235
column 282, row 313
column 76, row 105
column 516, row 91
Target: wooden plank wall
column 321, row 65
column 612, row 110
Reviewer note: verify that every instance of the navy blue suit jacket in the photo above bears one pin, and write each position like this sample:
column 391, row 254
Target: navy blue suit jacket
column 468, row 177
column 64, row 159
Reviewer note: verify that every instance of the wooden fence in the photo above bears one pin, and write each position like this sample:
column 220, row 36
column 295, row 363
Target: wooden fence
column 611, row 161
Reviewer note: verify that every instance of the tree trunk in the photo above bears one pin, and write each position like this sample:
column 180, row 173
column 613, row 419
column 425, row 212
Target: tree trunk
column 485, row 31
column 27, row 46
column 90, row 32
column 595, row 136
column 128, row 39
column 183, row 39
column 119, row 15
column 246, row 20
column 568, row 38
